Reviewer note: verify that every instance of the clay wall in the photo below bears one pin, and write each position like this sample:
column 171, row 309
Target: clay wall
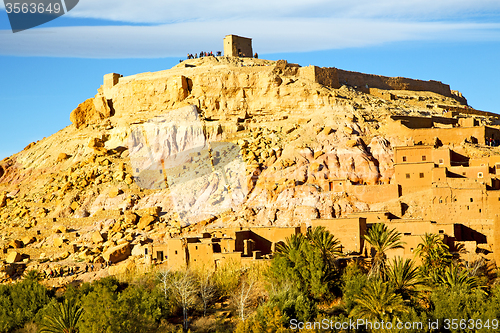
column 200, row 253
column 413, row 177
column 349, row 231
column 372, row 216
column 448, row 135
column 496, row 240
column 177, row 254
column 374, row 193
column 392, row 83
column 264, row 237
column 477, row 172
column 413, row 154
column 460, row 205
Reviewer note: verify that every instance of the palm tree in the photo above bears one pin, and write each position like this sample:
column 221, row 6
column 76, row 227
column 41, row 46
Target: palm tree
column 378, row 301
column 62, row 319
column 382, row 240
column 435, row 254
column 325, row 242
column 292, row 243
column 404, row 277
column 454, row 277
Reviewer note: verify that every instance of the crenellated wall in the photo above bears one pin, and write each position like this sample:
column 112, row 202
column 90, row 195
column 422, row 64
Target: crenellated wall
column 334, row 77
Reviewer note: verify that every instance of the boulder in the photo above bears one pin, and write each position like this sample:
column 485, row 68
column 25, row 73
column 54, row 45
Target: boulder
column 145, row 221
column 28, row 240
column 58, row 242
column 97, row 237
column 131, row 217
column 3, row 200
column 15, row 244
column 123, row 268
column 60, row 229
column 86, row 113
column 114, row 192
column 117, row 253
column 62, row 156
column 13, row 257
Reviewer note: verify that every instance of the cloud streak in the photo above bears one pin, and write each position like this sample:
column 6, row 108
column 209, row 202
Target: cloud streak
column 270, row 36
column 172, row 28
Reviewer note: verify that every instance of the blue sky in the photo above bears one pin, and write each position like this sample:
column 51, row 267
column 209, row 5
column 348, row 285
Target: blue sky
column 45, row 72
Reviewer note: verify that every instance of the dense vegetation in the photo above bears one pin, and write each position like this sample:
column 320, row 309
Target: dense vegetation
column 307, row 284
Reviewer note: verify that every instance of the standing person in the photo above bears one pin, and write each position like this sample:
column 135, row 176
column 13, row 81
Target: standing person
column 92, row 267
column 256, row 56
column 201, row 54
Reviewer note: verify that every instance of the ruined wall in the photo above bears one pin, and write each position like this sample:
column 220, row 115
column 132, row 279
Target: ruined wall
column 333, row 77
column 392, row 83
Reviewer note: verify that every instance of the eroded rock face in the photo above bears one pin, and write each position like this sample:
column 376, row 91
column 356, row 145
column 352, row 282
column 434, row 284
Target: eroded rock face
column 92, row 111
column 293, row 136
column 117, row 253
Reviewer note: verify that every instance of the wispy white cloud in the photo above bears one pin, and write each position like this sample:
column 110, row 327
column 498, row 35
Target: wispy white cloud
column 172, row 28
column 270, row 36
column 160, row 11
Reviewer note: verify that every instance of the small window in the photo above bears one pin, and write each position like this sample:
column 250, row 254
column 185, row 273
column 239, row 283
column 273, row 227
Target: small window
column 421, row 175
column 441, row 161
column 340, row 184
column 479, row 175
column 175, row 252
column 463, row 173
column 471, row 200
column 407, row 176
column 137, row 170
column 441, row 231
column 161, row 171
column 146, row 251
column 404, row 158
column 497, row 166
column 424, row 158
column 196, row 247
column 467, row 207
column 480, row 210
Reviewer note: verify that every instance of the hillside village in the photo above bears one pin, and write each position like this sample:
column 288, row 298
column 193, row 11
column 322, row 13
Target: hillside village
column 320, row 146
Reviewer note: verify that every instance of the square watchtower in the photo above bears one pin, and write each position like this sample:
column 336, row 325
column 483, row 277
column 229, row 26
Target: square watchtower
column 237, row 46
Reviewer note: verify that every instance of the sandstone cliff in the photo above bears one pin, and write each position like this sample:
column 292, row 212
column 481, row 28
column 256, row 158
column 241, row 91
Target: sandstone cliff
column 292, row 135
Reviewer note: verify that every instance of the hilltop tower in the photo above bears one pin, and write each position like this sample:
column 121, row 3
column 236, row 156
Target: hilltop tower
column 237, row 46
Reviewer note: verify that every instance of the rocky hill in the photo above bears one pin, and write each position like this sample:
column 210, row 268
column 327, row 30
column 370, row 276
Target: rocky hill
column 81, row 196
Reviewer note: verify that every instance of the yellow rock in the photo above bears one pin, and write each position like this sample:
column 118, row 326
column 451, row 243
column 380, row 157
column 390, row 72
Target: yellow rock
column 97, row 237
column 58, row 242
column 13, row 257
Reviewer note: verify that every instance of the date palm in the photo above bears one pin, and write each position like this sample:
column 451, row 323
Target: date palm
column 454, row 277
column 378, row 301
column 404, row 277
column 291, row 244
column 325, row 242
column 382, row 240
column 435, row 254
column 62, row 319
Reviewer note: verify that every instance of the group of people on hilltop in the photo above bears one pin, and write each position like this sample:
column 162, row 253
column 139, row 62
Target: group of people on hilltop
column 211, row 54
column 204, row 54
column 492, row 142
